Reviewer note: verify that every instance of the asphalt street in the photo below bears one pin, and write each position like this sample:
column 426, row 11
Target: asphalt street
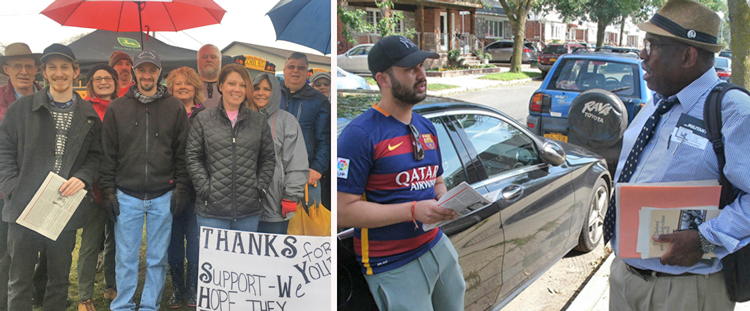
column 512, row 100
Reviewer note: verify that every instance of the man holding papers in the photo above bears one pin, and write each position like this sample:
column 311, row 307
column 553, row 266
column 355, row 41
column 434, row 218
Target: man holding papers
column 54, row 130
column 392, row 156
column 678, row 59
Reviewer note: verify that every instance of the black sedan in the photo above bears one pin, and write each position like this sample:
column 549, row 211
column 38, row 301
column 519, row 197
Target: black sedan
column 551, row 197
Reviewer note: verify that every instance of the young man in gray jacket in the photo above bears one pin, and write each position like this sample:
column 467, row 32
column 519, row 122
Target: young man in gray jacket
column 54, row 130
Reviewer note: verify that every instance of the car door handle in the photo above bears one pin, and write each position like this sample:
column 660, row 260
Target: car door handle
column 461, row 224
column 512, row 193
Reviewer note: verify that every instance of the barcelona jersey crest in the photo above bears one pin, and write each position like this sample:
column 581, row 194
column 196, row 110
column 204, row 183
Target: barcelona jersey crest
column 427, row 139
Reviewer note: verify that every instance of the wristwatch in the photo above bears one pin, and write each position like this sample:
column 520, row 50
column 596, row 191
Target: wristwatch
column 706, row 246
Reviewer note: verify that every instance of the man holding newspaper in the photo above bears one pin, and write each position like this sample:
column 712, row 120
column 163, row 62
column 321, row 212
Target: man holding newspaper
column 678, row 59
column 53, row 130
column 392, row 156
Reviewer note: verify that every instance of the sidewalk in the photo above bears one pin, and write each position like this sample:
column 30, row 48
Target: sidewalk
column 595, row 294
column 472, row 83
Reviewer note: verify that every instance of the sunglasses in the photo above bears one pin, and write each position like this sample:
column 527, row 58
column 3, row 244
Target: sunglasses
column 417, row 146
column 319, row 84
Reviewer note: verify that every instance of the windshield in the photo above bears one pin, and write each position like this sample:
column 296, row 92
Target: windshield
column 721, row 62
column 554, row 49
column 584, row 74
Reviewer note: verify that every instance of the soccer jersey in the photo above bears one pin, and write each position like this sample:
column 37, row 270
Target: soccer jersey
column 375, row 158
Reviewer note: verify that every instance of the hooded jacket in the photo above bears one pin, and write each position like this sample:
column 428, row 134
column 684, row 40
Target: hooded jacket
column 144, row 145
column 27, row 152
column 291, row 171
column 230, row 166
column 312, row 110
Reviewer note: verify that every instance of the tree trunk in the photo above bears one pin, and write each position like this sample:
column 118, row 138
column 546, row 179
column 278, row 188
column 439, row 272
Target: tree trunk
column 600, row 28
column 739, row 14
column 519, row 32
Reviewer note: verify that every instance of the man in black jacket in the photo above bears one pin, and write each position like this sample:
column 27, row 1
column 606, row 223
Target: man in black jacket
column 312, row 110
column 143, row 176
column 54, row 130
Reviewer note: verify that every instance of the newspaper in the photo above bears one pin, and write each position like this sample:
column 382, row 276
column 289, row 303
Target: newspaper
column 463, row 199
column 49, row 212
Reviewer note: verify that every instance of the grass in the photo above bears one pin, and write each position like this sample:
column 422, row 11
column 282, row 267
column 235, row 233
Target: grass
column 440, row 86
column 510, row 76
column 98, row 300
column 371, row 81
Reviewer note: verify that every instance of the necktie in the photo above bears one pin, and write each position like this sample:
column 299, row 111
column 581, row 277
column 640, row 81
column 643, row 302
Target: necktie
column 632, row 161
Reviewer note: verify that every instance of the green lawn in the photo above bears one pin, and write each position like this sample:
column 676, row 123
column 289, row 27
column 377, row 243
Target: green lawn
column 102, row 304
column 510, row 76
column 440, row 86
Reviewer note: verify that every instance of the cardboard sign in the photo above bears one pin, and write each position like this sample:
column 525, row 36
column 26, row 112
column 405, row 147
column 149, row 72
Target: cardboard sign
column 258, row 271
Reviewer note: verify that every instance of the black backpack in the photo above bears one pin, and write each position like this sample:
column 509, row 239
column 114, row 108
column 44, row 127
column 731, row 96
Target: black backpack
column 736, row 265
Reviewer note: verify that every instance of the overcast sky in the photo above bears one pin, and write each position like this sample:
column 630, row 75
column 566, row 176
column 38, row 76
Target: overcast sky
column 244, row 21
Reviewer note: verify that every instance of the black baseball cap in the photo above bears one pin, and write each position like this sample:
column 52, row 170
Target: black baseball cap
column 58, row 49
column 395, row 51
column 146, row 56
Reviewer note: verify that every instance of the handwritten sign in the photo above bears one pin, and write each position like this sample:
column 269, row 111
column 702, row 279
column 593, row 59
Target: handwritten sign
column 251, row 271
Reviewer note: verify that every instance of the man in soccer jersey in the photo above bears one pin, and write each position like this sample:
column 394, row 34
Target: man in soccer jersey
column 392, row 156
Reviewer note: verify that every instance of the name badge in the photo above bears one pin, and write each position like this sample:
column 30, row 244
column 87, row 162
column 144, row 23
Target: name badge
column 689, row 131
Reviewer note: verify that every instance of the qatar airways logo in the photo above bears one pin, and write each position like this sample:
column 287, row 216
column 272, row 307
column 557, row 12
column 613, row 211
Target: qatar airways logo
column 419, row 178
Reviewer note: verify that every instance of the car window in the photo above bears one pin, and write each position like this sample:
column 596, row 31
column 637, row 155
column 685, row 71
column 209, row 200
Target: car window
column 339, row 73
column 360, row 50
column 721, row 62
column 453, row 171
column 554, row 49
column 500, row 146
column 583, row 74
column 507, row 45
column 494, row 45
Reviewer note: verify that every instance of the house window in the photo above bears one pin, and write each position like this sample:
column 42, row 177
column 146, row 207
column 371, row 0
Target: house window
column 494, row 29
column 374, row 16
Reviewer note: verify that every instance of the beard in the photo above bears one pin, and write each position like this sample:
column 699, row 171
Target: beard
column 146, row 87
column 405, row 94
column 211, row 73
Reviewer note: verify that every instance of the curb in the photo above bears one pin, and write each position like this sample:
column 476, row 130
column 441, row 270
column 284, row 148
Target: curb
column 471, row 89
column 595, row 294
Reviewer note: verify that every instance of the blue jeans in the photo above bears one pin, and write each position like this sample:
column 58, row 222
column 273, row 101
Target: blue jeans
column 249, row 224
column 128, row 238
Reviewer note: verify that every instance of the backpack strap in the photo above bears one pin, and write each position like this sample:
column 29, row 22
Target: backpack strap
column 713, row 123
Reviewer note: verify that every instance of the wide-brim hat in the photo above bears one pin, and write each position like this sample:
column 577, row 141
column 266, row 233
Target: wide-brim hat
column 686, row 21
column 19, row 49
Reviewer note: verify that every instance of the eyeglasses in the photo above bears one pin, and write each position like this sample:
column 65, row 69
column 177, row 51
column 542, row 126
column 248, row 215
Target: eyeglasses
column 293, row 67
column 99, row 79
column 18, row 67
column 417, row 146
column 319, row 84
column 647, row 45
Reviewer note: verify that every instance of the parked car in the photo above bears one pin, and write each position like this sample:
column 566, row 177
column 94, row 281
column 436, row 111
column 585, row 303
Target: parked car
column 726, row 53
column 604, row 91
column 551, row 197
column 502, row 51
column 723, row 66
column 551, row 52
column 348, row 81
column 355, row 60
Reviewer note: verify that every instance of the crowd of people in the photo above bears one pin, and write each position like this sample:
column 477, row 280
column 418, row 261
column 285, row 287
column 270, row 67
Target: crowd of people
column 214, row 148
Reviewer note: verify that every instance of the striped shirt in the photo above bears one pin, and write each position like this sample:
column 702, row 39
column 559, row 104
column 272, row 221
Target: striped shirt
column 375, row 156
column 662, row 161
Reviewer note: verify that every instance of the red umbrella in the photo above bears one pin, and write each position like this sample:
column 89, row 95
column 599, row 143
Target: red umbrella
column 124, row 16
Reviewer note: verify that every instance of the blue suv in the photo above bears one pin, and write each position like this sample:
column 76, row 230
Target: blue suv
column 587, row 72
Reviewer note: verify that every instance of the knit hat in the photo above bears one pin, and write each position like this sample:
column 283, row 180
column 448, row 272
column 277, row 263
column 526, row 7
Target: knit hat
column 320, row 74
column 117, row 56
column 102, row 66
column 687, row 21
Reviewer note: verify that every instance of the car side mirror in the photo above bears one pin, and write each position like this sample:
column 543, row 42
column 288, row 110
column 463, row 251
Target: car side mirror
column 552, row 153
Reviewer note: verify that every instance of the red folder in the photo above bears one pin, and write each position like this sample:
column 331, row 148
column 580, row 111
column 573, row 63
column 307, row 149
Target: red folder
column 633, row 197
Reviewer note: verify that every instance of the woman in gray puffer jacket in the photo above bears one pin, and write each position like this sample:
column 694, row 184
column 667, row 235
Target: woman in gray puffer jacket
column 291, row 172
column 230, row 157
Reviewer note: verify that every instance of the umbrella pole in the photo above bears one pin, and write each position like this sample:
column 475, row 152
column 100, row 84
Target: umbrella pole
column 140, row 22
